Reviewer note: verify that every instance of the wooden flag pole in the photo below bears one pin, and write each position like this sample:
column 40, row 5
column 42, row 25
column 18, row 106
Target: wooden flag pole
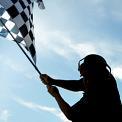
column 22, row 49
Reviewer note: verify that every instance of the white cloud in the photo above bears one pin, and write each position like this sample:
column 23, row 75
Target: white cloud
column 12, row 64
column 62, row 45
column 103, row 9
column 37, row 107
column 56, row 40
column 117, row 72
column 4, row 115
column 83, row 48
column 18, row 67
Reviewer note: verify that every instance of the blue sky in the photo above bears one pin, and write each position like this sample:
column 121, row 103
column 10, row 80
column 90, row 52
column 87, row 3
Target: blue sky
column 65, row 32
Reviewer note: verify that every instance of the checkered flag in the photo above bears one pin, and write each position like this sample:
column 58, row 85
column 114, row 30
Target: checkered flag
column 17, row 16
column 5, row 18
column 40, row 4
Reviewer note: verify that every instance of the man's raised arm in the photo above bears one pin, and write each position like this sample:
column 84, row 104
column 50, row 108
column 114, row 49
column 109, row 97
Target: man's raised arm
column 73, row 85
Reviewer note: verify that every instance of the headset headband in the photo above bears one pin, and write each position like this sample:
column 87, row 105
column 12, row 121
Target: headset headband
column 82, row 63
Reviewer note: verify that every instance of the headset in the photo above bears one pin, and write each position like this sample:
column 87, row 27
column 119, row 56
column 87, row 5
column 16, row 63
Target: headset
column 79, row 63
column 97, row 58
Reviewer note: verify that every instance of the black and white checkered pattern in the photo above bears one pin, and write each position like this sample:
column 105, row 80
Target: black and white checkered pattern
column 20, row 12
column 5, row 18
column 40, row 4
column 18, row 17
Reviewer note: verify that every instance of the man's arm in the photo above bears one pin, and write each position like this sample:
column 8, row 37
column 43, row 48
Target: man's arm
column 65, row 107
column 74, row 85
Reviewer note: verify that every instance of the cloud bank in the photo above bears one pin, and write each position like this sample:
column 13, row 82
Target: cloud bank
column 36, row 107
column 4, row 115
column 117, row 72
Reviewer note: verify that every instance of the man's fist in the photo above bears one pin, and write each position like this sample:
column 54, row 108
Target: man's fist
column 53, row 90
column 47, row 80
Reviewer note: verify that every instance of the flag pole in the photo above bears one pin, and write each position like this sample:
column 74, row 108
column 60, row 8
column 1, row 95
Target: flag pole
column 36, row 68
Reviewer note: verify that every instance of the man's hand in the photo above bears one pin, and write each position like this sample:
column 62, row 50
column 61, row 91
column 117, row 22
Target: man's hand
column 53, row 90
column 47, row 80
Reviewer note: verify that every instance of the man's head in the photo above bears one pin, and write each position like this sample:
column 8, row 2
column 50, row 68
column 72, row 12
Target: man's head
column 91, row 63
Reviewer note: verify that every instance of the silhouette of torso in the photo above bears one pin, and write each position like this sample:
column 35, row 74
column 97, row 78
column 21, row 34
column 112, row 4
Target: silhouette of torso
column 100, row 102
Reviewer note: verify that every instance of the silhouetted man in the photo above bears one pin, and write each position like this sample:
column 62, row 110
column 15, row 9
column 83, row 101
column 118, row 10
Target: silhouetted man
column 101, row 99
